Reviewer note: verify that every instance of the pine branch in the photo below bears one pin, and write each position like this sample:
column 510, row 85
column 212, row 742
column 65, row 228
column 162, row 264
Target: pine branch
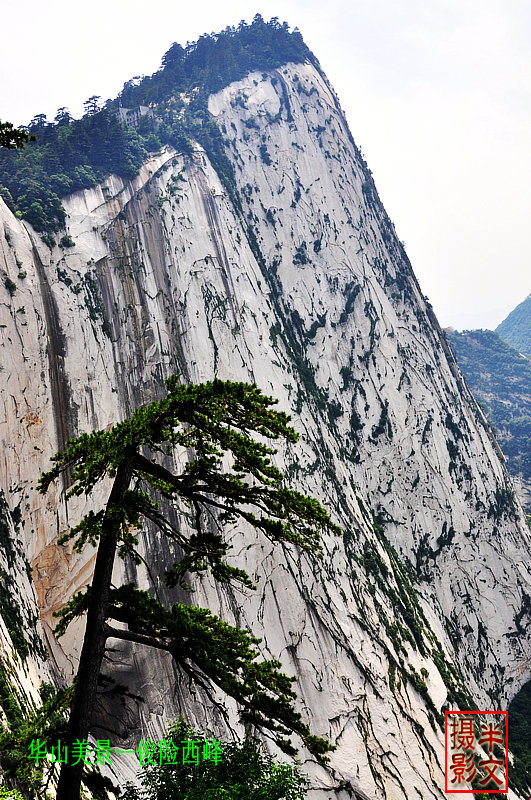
column 140, row 638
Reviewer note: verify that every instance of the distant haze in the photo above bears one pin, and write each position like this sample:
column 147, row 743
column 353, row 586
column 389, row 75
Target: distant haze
column 436, row 95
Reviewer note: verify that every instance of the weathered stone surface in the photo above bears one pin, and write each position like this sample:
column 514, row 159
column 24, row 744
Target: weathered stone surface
column 323, row 312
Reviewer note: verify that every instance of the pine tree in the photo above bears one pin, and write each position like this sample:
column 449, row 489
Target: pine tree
column 215, row 422
column 13, row 138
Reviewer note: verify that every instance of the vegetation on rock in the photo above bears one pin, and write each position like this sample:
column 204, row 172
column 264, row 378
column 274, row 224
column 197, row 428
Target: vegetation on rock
column 516, row 328
column 47, row 723
column 500, row 379
column 67, row 156
column 70, row 154
column 12, row 138
column 9, row 794
column 520, row 739
column 243, row 773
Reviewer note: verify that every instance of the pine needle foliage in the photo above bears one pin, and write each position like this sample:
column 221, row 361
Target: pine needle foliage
column 212, row 420
column 48, row 723
column 9, row 794
column 12, row 138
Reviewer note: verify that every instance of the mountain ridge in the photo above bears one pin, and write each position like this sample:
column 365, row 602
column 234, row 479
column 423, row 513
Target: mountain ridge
column 500, row 378
column 304, row 289
column 76, row 154
column 515, row 329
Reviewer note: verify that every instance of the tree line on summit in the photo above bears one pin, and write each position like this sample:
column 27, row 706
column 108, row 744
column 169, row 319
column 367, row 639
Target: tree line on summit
column 67, row 155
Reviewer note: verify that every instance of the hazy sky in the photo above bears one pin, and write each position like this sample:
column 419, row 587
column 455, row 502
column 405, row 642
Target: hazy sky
column 436, row 93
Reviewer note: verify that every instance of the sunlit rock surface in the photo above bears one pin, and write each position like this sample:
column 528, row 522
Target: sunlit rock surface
column 306, row 291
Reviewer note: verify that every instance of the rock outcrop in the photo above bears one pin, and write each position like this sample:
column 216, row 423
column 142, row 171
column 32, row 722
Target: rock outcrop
column 306, row 290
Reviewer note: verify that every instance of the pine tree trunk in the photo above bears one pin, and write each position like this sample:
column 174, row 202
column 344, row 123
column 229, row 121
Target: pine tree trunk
column 94, row 642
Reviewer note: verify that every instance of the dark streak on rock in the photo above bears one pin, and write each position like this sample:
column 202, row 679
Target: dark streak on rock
column 56, row 349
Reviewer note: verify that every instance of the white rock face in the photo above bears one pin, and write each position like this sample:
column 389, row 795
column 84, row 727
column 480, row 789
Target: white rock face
column 321, row 310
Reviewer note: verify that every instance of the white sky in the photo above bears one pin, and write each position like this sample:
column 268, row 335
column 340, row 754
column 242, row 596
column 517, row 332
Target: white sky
column 436, row 93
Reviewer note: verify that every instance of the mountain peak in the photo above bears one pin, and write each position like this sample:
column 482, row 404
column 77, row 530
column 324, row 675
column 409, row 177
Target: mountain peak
column 516, row 327
column 250, row 244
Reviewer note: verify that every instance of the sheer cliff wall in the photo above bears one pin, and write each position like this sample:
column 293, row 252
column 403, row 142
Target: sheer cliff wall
column 303, row 288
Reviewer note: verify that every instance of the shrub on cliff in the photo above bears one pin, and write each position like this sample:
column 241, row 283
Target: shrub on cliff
column 244, row 772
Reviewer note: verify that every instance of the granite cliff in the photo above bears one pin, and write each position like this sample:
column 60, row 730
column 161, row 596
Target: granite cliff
column 293, row 278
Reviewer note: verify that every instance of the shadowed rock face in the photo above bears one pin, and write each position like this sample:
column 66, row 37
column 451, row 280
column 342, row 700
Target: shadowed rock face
column 500, row 378
column 307, row 292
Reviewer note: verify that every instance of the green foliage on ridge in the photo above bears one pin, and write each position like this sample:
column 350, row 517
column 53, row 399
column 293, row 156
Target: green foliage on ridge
column 12, row 138
column 216, row 60
column 67, row 156
column 70, row 155
column 500, row 379
column 516, row 328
